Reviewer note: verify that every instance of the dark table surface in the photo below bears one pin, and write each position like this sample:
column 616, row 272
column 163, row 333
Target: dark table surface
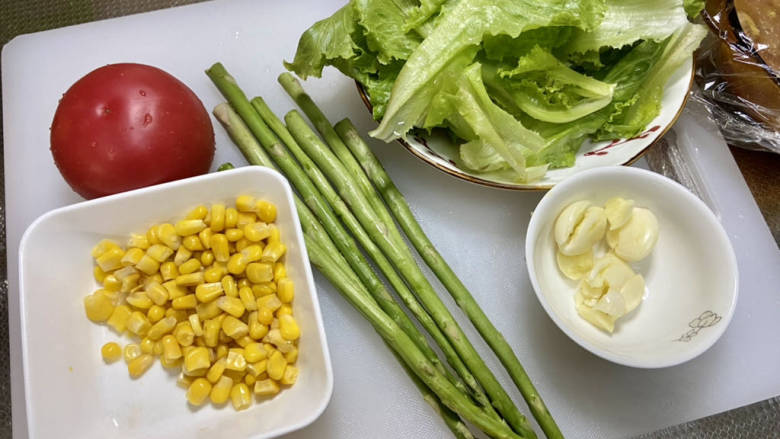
column 760, row 169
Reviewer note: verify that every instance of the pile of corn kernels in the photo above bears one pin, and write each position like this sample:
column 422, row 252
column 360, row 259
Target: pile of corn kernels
column 209, row 295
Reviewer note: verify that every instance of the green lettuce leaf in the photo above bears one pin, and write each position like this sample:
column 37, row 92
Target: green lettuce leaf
column 693, row 7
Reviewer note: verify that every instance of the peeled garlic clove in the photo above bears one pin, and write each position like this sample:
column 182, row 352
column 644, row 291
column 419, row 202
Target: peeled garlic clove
column 633, row 291
column 618, row 211
column 568, row 220
column 587, row 233
column 612, row 238
column 636, row 239
column 609, row 271
column 589, row 292
column 575, row 267
column 612, row 303
column 596, row 318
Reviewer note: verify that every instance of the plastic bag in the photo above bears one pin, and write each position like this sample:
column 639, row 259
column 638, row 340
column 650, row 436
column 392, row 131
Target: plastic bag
column 737, row 71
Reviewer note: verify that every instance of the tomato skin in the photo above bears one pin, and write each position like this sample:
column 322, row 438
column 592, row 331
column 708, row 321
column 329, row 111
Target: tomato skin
column 127, row 126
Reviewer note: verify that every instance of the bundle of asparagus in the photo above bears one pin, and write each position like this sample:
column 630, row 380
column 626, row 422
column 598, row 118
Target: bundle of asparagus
column 346, row 199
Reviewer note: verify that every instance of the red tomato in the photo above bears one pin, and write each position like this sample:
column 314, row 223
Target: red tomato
column 126, row 126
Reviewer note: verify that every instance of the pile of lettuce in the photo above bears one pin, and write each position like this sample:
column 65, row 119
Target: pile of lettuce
column 520, row 84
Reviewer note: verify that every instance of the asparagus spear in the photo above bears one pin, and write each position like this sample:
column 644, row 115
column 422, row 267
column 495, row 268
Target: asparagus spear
column 403, row 345
column 372, row 250
column 462, row 296
column 248, row 145
column 401, row 256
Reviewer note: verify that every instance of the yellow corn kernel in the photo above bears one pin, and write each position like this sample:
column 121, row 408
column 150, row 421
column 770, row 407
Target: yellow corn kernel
column 244, row 341
column 237, row 264
column 264, row 315
column 285, row 309
column 171, row 364
column 140, row 365
column 111, row 259
column 275, row 235
column 98, row 307
column 259, row 272
column 174, row 290
column 231, row 305
column 158, row 348
column 198, row 392
column 147, row 265
column 207, row 311
column 231, row 218
column 241, row 244
column 249, row 380
column 257, row 368
column 266, row 211
column 276, row 366
column 256, row 232
column 252, row 253
column 119, row 318
column 273, row 251
column 183, row 254
column 271, row 302
column 247, row 298
column 198, row 212
column 229, row 286
column 235, row 360
column 192, row 243
column 124, row 272
column 217, row 217
column 131, row 352
column 184, row 333
column 234, row 328
column 221, row 390
column 264, row 289
column 111, row 352
column 205, row 238
column 254, row 352
column 132, row 256
column 138, row 324
column 157, row 293
column 281, row 344
column 188, row 227
column 216, row 370
column 168, row 270
column 214, row 273
column 129, row 283
column 241, row 283
column 224, row 338
column 171, row 348
column 185, row 302
column 197, row 329
column 211, row 329
column 280, row 271
column 207, row 258
column 222, row 351
column 191, row 266
column 292, row 356
column 166, row 233
column 285, row 290
column 189, row 280
column 147, row 346
column 159, row 252
column 290, row 376
column 179, row 314
column 245, row 218
column 196, row 359
column 269, row 349
column 99, row 274
column 184, row 381
column 257, row 330
column 266, row 387
column 245, row 203
column 155, row 313
column 234, row 235
column 208, row 292
column 103, row 246
column 161, row 328
column 139, row 241
column 114, row 296
column 289, row 327
column 151, row 235
column 111, row 283
column 240, row 396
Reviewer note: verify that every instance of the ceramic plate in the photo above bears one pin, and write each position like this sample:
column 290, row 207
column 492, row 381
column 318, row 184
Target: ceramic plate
column 441, row 153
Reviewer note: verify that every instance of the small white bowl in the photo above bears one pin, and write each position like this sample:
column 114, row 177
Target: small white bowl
column 72, row 393
column 691, row 275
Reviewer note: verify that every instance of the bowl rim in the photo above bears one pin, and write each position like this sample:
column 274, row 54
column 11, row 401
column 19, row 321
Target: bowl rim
column 516, row 187
column 534, row 228
column 215, row 176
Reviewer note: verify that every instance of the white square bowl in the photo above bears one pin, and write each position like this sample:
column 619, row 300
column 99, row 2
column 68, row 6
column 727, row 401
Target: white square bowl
column 72, row 393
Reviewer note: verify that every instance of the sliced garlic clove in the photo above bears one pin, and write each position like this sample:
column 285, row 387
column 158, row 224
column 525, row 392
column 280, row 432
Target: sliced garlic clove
column 575, row 267
column 609, row 271
column 589, row 292
column 636, row 239
column 568, row 220
column 618, row 211
column 612, row 303
column 633, row 291
column 586, row 233
column 612, row 238
column 596, row 318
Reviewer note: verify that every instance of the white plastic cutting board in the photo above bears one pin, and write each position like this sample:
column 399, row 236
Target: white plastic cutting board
column 479, row 230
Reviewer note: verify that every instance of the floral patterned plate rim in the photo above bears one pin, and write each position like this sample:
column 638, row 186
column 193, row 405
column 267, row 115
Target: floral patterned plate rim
column 442, row 154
